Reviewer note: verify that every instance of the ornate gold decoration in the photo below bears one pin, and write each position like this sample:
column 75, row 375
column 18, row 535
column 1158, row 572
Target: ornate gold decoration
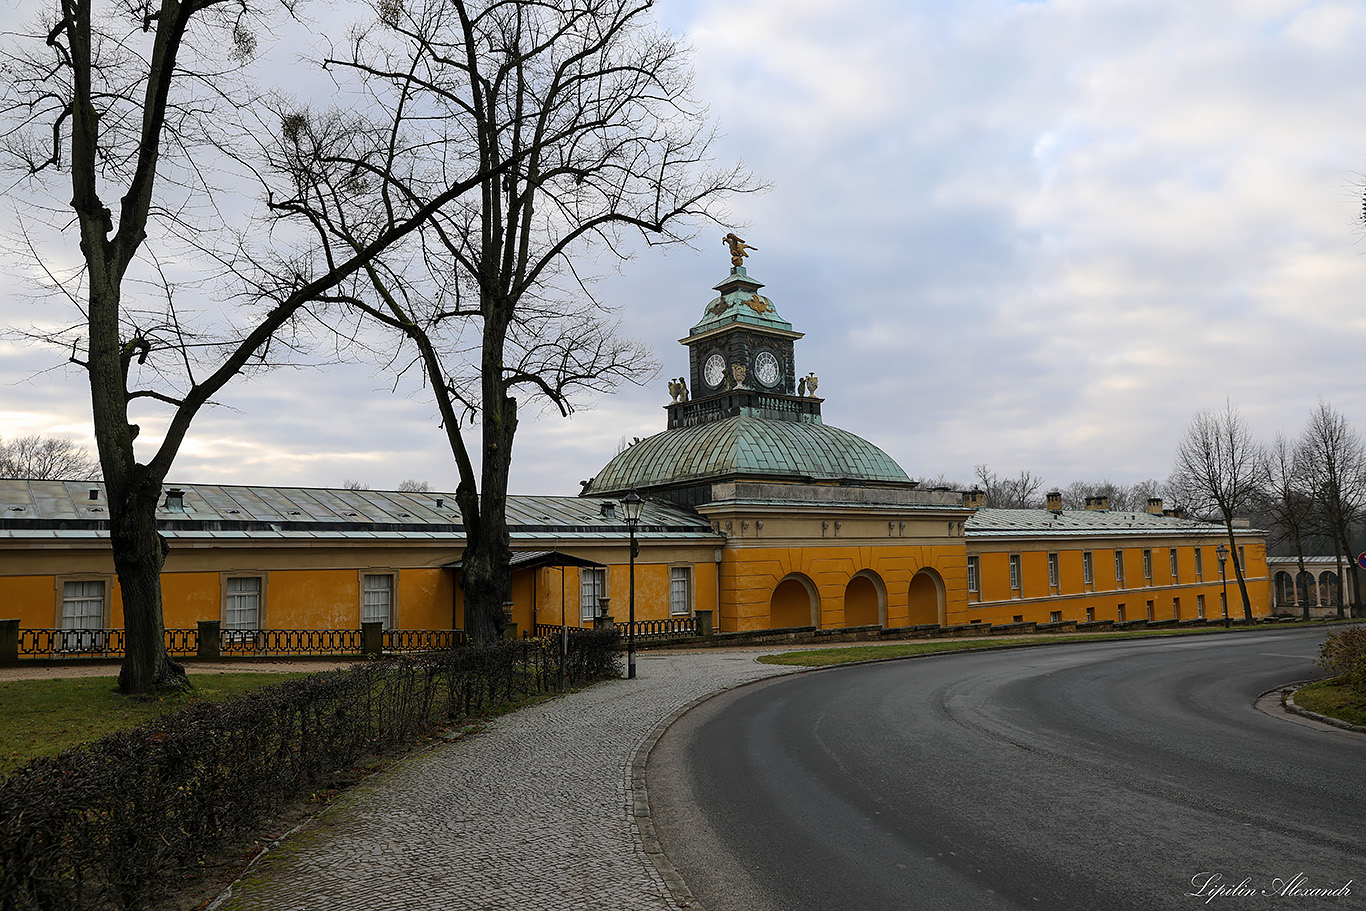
column 738, row 371
column 759, row 305
column 717, row 308
column 738, row 248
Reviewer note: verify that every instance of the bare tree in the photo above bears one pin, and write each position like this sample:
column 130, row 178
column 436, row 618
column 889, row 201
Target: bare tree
column 37, row 456
column 1020, row 492
column 1219, row 473
column 412, row 485
column 1289, row 504
column 354, row 484
column 136, row 101
column 587, row 106
column 1334, row 464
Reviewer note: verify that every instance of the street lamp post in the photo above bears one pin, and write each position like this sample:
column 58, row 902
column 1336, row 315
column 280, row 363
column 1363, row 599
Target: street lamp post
column 633, row 504
column 1222, row 553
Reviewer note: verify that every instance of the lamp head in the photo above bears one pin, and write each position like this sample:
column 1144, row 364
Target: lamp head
column 1222, row 553
column 632, row 503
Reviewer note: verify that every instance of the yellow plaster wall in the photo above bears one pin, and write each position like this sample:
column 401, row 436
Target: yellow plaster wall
column 187, row 598
column 313, row 599
column 749, row 576
column 32, row 600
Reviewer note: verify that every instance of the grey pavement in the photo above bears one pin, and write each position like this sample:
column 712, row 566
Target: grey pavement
column 535, row 811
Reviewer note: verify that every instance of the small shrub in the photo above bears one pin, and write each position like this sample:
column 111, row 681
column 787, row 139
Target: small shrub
column 1344, row 653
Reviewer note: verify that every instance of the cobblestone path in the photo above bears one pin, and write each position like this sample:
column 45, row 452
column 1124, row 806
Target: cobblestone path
column 534, row 812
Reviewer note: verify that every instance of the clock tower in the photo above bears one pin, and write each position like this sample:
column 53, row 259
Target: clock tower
column 741, row 361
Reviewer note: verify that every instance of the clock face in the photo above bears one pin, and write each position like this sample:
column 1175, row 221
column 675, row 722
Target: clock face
column 714, row 371
column 766, row 368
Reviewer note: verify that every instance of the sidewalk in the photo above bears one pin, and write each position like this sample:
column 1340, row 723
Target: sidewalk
column 533, row 812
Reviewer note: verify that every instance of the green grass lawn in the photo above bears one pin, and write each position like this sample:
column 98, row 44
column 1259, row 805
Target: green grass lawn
column 1334, row 698
column 45, row 717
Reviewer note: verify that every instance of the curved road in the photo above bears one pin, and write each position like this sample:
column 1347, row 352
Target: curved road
column 1105, row 775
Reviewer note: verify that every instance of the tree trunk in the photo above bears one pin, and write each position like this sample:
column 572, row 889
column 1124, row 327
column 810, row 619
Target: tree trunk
column 1238, row 571
column 139, row 555
column 484, row 577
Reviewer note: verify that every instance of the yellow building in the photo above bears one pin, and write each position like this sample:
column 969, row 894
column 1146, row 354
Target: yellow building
column 759, row 515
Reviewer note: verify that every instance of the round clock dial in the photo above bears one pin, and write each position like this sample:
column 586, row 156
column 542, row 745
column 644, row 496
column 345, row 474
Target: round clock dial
column 766, row 368
column 714, row 371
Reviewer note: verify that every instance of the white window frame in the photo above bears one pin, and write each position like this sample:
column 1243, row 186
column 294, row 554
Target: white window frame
column 75, row 613
column 1148, row 565
column 1175, row 565
column 1053, row 574
column 589, row 610
column 1119, row 569
column 1199, row 564
column 1242, row 558
column 368, row 604
column 233, row 580
column 974, row 576
column 1088, row 568
column 680, row 572
column 1016, row 575
column 1200, row 607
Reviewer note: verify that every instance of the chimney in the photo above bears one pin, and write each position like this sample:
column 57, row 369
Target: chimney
column 974, row 499
column 1098, row 504
column 1176, row 512
column 607, row 510
column 1154, row 506
column 1055, row 501
column 175, row 500
column 94, row 493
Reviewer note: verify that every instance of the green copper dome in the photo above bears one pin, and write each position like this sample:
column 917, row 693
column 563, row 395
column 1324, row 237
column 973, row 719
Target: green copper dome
column 746, row 447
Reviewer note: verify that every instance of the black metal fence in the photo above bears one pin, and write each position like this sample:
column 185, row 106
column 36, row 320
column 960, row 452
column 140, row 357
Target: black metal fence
column 262, row 643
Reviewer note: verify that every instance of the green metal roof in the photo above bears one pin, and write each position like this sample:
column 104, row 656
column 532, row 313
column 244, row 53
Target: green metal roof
column 740, row 302
column 749, row 447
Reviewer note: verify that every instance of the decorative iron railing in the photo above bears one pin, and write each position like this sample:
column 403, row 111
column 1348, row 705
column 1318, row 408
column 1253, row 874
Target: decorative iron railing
column 553, row 629
column 264, row 643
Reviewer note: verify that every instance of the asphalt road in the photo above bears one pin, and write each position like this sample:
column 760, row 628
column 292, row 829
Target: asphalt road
column 1111, row 775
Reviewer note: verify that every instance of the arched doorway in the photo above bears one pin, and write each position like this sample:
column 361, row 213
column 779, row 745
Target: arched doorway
column 1307, row 590
column 793, row 603
column 925, row 600
column 865, row 600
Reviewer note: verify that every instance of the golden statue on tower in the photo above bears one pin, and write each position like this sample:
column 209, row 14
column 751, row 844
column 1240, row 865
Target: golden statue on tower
column 738, row 248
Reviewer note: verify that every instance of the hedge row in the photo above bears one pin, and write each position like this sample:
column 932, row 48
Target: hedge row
column 107, row 825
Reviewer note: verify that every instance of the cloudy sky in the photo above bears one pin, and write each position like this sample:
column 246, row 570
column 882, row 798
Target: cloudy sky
column 1034, row 235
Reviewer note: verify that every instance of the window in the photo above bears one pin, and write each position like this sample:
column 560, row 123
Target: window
column 1090, row 614
column 1088, row 569
column 972, row 574
column 1015, row 572
column 1176, row 574
column 1242, row 559
column 1176, row 608
column 592, row 586
column 1119, row 614
column 82, row 614
column 1055, row 616
column 1150, row 611
column 1200, row 604
column 1119, row 569
column 1053, row 571
column 1199, row 563
column 243, row 603
column 377, row 599
column 680, row 590
column 1148, row 566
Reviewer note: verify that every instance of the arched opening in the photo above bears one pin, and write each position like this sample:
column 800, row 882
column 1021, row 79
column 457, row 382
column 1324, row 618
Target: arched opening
column 925, row 599
column 865, row 600
column 1328, row 589
column 793, row 603
column 1285, row 590
column 1307, row 589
